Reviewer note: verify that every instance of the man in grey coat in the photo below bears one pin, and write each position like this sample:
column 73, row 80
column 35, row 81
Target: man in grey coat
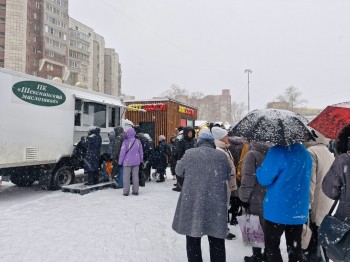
column 202, row 205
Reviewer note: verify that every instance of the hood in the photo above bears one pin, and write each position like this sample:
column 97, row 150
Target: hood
column 111, row 136
column 118, row 130
column 94, row 130
column 259, row 146
column 319, row 139
column 236, row 140
column 186, row 130
column 130, row 133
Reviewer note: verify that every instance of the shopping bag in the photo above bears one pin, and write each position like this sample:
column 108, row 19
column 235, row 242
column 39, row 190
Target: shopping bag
column 109, row 167
column 252, row 232
column 334, row 236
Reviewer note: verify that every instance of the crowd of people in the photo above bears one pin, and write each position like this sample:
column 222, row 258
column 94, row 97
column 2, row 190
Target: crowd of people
column 218, row 175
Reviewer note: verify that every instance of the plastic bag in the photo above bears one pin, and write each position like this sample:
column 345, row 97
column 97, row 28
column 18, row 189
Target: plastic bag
column 252, row 232
column 109, row 167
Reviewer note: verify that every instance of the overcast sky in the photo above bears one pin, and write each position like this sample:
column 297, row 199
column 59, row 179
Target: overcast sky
column 205, row 46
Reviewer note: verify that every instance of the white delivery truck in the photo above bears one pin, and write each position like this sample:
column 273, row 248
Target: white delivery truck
column 41, row 122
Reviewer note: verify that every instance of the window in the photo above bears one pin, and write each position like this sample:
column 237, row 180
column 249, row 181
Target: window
column 35, row 62
column 37, row 5
column 35, row 50
column 2, row 7
column 35, row 39
column 49, row 77
column 49, row 67
column 77, row 114
column 36, row 28
column 35, row 15
column 113, row 117
column 73, row 63
column 34, row 73
column 94, row 115
column 2, row 48
column 2, row 34
column 1, row 62
column 2, row 20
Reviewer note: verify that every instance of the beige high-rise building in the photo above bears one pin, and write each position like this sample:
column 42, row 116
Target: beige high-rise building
column 37, row 37
column 80, row 53
column 13, row 14
column 112, row 84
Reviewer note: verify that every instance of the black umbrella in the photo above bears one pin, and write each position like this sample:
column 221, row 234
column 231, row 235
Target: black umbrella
column 272, row 125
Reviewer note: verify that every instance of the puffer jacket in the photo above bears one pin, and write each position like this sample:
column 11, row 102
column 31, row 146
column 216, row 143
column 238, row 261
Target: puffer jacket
column 322, row 160
column 131, row 153
column 250, row 190
column 186, row 143
column 336, row 185
column 232, row 185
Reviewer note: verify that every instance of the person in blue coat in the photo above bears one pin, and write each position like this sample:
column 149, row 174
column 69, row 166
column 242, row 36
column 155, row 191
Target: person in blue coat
column 286, row 174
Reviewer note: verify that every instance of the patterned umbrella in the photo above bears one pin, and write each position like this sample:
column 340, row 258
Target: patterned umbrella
column 275, row 126
column 332, row 120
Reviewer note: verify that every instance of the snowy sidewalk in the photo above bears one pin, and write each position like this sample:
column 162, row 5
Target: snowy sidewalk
column 100, row 226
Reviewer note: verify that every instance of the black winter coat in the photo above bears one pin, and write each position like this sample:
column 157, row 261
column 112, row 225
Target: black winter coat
column 336, row 185
column 92, row 143
column 160, row 156
column 186, row 143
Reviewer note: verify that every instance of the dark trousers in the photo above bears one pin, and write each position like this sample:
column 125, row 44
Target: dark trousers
column 93, row 177
column 235, row 205
column 273, row 233
column 172, row 167
column 216, row 246
column 313, row 252
column 179, row 181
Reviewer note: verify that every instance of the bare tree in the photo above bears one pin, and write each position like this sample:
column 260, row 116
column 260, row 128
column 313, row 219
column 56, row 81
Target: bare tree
column 174, row 91
column 196, row 95
column 238, row 110
column 292, row 96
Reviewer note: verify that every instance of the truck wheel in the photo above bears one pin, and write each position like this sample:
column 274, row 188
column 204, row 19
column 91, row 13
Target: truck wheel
column 22, row 180
column 62, row 176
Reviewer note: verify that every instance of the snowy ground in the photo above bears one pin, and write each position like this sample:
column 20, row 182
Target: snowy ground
column 39, row 225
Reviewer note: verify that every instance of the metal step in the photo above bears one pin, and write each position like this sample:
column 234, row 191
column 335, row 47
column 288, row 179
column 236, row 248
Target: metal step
column 86, row 189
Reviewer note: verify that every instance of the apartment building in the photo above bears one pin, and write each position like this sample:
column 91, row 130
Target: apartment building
column 213, row 108
column 80, row 53
column 112, row 72
column 38, row 37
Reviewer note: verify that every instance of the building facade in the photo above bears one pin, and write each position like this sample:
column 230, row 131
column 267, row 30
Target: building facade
column 212, row 108
column 37, row 37
column 112, row 73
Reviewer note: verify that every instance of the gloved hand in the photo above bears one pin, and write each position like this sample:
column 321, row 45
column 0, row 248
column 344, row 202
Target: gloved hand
column 245, row 205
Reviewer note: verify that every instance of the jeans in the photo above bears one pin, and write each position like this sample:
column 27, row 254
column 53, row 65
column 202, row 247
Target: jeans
column 273, row 233
column 194, row 250
column 120, row 177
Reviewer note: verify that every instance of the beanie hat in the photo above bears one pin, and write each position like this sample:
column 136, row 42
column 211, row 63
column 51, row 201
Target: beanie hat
column 161, row 138
column 205, row 134
column 219, row 133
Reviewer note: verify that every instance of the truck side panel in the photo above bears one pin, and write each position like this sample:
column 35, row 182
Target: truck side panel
column 33, row 134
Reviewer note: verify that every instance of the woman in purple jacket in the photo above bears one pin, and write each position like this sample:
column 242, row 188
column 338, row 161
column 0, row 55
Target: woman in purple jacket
column 131, row 156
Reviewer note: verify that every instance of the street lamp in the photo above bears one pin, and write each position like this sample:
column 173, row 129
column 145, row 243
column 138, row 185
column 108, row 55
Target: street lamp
column 248, row 71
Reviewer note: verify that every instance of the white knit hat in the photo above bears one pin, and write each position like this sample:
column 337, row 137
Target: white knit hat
column 218, row 132
column 161, row 138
